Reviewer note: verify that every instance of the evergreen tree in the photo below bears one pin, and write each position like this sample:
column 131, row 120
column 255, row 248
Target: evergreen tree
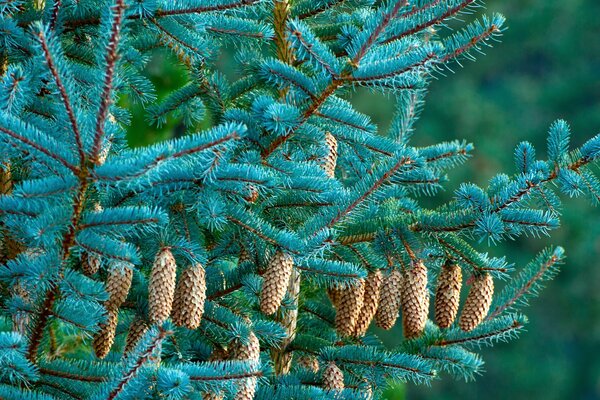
column 247, row 260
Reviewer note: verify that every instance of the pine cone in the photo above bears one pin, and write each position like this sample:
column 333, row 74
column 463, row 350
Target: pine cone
column 190, row 295
column 389, row 300
column 212, row 396
column 137, row 329
column 333, row 377
column 105, row 337
column 90, row 263
column 447, row 295
column 370, row 302
column 477, row 303
column 415, row 301
column 334, row 294
column 309, row 363
column 252, row 195
column 118, row 283
column 249, row 351
column 6, row 183
column 330, row 160
column 349, row 307
column 161, row 288
column 275, row 283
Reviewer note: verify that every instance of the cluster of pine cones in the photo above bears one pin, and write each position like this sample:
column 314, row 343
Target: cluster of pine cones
column 184, row 303
column 381, row 298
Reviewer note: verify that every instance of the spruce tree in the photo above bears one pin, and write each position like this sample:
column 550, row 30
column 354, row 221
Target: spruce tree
column 234, row 262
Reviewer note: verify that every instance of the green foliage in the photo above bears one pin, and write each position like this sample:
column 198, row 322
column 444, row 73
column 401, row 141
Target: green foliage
column 252, row 183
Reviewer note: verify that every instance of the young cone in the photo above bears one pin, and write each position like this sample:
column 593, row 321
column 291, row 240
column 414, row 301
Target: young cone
column 137, row 329
column 190, row 295
column 105, row 337
column 390, row 296
column 276, row 279
column 249, row 351
column 118, row 283
column 477, row 303
column 415, row 301
column 369, row 303
column 447, row 295
column 333, row 377
column 349, row 307
column 330, row 160
column 90, row 263
column 161, row 288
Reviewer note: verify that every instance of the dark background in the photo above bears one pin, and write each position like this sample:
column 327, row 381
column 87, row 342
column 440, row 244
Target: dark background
column 547, row 67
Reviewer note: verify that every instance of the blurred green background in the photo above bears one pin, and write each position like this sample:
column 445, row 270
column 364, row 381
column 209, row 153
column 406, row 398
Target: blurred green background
column 547, row 67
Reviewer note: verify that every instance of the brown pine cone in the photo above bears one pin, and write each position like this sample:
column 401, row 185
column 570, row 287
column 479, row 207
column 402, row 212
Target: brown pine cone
column 333, row 377
column 447, row 295
column 330, row 160
column 370, row 302
column 334, row 294
column 248, row 351
column 118, row 283
column 349, row 307
column 477, row 303
column 137, row 329
column 161, row 288
column 252, row 195
column 415, row 301
column 105, row 337
column 309, row 363
column 212, row 396
column 90, row 263
column 276, row 279
column 6, row 183
column 390, row 297
column 190, row 295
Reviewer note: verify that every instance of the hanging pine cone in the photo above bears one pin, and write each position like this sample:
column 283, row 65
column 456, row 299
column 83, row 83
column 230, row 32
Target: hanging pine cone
column 334, row 294
column 212, row 396
column 477, row 303
column 252, row 194
column 137, row 329
column 330, row 160
column 161, row 288
column 190, row 295
column 348, row 309
column 105, row 336
column 415, row 301
column 390, row 296
column 309, row 363
column 333, row 377
column 370, row 302
column 6, row 183
column 249, row 351
column 276, row 279
column 447, row 295
column 90, row 263
column 118, row 283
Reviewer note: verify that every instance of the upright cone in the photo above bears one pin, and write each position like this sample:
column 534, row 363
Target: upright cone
column 447, row 295
column 477, row 303
column 249, row 351
column 137, row 329
column 105, row 337
column 348, row 309
column 161, row 288
column 333, row 377
column 276, row 279
column 415, row 300
column 389, row 300
column 118, row 283
column 190, row 295
column 330, row 160
column 369, row 303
